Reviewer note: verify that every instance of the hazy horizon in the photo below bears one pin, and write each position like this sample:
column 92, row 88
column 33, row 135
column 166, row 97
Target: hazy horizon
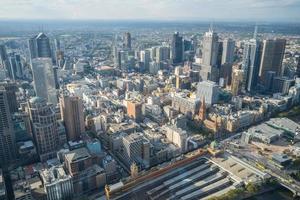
column 153, row 10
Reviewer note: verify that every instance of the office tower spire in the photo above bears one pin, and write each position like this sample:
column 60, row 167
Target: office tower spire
column 255, row 32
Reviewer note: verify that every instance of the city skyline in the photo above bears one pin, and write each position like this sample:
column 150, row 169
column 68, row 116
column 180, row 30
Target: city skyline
column 166, row 10
column 140, row 99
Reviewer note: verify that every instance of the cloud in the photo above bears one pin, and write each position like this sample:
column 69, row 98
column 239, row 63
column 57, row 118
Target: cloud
column 151, row 9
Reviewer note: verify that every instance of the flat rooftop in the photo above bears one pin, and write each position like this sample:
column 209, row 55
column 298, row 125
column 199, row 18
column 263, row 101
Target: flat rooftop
column 198, row 179
column 239, row 170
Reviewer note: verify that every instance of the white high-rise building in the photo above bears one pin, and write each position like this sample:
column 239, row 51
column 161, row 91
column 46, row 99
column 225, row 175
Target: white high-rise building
column 208, row 90
column 250, row 65
column 228, row 51
column 210, row 48
column 44, row 80
column 145, row 58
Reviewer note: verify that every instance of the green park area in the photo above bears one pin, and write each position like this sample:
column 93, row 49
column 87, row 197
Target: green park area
column 293, row 113
column 247, row 191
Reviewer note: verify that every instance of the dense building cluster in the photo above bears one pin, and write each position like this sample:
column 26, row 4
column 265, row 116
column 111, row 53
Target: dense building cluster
column 79, row 112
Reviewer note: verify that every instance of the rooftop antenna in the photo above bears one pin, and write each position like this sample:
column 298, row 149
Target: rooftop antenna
column 211, row 27
column 255, row 32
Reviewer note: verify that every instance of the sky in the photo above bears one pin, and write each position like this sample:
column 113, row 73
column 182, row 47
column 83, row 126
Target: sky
column 217, row 10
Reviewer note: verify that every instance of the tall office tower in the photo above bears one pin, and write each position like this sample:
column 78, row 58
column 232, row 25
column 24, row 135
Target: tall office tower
column 271, row 59
column 71, row 109
column 228, row 51
column 209, row 91
column 208, row 72
column 219, row 56
column 225, row 74
column 237, row 81
column 127, row 40
column 3, row 54
column 210, row 48
column 60, row 58
column 4, row 60
column 162, row 53
column 268, row 82
column 123, row 60
column 153, row 51
column 116, row 57
column 57, row 44
column 44, row 126
column 16, row 67
column 177, row 48
column 251, row 63
column 39, row 46
column 19, row 65
column 11, row 89
column 298, row 68
column 187, row 45
column 44, row 80
column 194, row 42
column 282, row 84
column 145, row 58
column 7, row 137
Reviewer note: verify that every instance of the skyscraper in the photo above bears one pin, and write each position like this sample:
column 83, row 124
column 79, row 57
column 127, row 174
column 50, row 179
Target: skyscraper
column 7, row 138
column 251, row 63
column 145, row 58
column 162, row 53
column 44, row 126
column 237, row 80
column 4, row 60
column 228, row 51
column 39, row 46
column 16, row 68
column 298, row 68
column 71, row 109
column 11, row 89
column 3, row 54
column 177, row 48
column 127, row 40
column 116, row 57
column 44, row 80
column 210, row 48
column 272, row 56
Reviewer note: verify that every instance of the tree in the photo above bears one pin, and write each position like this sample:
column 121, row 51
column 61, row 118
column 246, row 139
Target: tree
column 251, row 188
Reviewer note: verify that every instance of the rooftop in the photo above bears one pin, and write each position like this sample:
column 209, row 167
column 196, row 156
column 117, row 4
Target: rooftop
column 77, row 154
